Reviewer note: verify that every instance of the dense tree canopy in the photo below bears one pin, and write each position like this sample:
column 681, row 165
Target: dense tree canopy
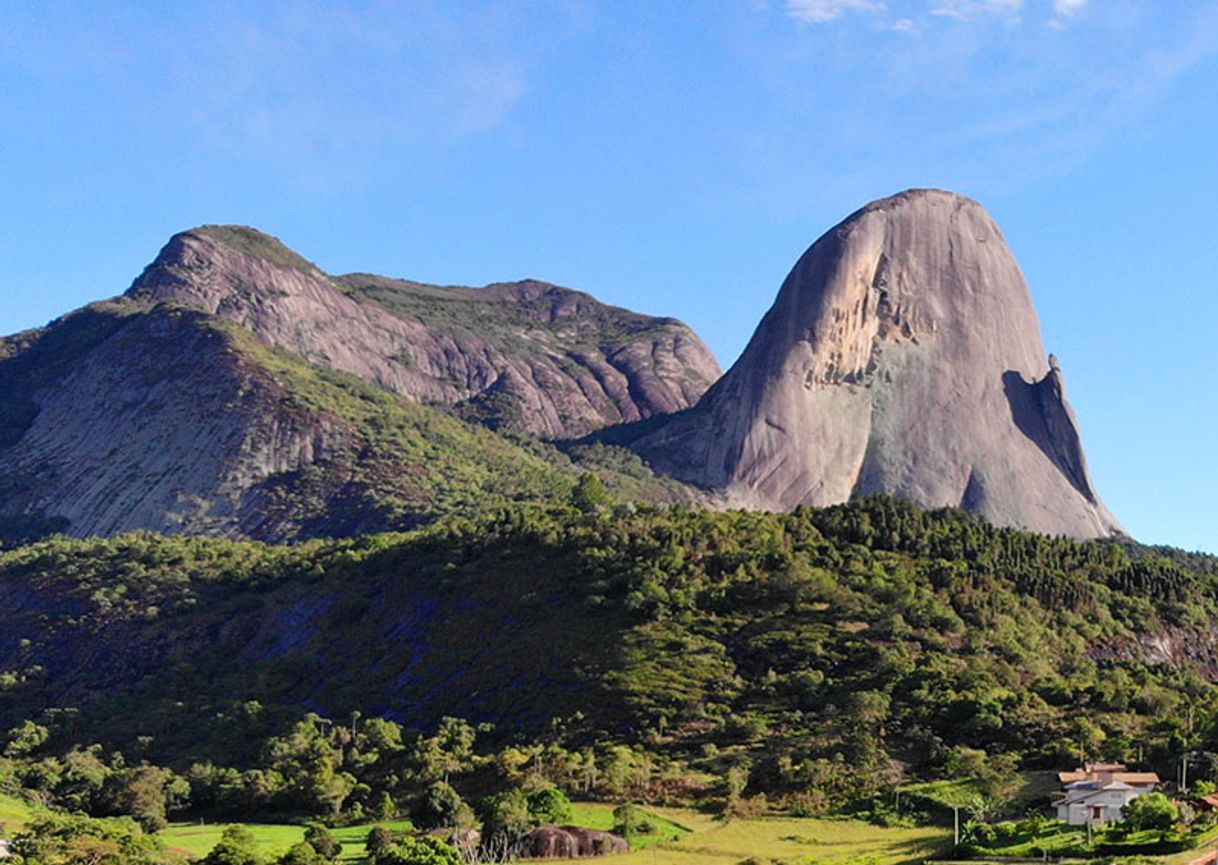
column 598, row 649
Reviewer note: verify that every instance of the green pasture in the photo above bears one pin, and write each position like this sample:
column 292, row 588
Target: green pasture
column 681, row 837
column 797, row 841
column 596, row 815
column 196, row 839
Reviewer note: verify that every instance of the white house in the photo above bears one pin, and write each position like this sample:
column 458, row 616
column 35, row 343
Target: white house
column 1098, row 793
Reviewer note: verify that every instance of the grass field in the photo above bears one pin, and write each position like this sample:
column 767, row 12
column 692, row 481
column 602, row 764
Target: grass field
column 1063, row 841
column 595, row 815
column 789, row 840
column 699, row 838
column 197, row 840
column 273, row 839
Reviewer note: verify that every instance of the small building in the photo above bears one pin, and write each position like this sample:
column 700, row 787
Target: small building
column 1097, row 793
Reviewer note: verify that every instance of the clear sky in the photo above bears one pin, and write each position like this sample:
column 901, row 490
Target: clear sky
column 667, row 156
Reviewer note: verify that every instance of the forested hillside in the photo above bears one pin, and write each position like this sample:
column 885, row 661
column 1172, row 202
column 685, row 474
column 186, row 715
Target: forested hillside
column 816, row 657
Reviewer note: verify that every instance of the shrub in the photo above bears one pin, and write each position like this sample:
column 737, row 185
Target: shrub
column 421, row 851
column 235, row 847
column 549, row 805
column 378, row 842
column 506, row 819
column 301, row 853
column 443, row 808
column 1151, row 811
column 810, row 803
column 627, row 819
column 1005, row 831
column 322, row 841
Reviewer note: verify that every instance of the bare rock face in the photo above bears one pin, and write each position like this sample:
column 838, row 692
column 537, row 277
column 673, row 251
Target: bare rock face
column 532, row 355
column 160, row 426
column 902, row 356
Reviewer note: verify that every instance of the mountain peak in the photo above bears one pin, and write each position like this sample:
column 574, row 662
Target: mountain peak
column 917, row 197
column 919, row 193
column 257, row 244
column 220, row 247
column 208, row 266
column 902, row 355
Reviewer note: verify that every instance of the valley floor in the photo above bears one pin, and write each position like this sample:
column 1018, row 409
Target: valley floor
column 700, row 839
column 789, row 839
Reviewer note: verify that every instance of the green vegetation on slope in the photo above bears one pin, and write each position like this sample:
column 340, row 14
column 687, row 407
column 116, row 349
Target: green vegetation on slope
column 504, row 314
column 15, row 812
column 831, row 653
column 258, row 244
column 789, row 840
column 403, row 463
column 406, row 464
column 871, row 660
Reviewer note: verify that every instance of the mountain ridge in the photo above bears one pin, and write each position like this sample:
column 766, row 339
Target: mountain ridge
column 550, row 360
column 132, row 415
column 901, row 356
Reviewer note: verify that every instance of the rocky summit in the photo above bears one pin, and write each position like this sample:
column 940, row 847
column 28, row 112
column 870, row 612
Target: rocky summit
column 528, row 354
column 902, row 355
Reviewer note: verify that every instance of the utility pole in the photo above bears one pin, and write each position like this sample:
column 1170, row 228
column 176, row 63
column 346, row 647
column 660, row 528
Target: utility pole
column 956, row 823
column 1196, row 755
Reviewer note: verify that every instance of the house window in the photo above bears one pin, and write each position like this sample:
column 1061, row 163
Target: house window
column 1097, row 812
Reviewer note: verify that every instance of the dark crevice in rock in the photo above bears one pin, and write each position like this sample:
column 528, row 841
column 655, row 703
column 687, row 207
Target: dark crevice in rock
column 1041, row 413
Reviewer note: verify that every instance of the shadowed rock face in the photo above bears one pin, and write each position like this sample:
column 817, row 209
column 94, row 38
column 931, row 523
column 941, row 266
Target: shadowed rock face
column 527, row 354
column 157, row 425
column 901, row 356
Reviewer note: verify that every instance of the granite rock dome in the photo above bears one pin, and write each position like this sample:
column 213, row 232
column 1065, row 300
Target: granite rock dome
column 902, row 356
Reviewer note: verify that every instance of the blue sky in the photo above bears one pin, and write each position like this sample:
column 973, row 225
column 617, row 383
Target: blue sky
column 670, row 157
